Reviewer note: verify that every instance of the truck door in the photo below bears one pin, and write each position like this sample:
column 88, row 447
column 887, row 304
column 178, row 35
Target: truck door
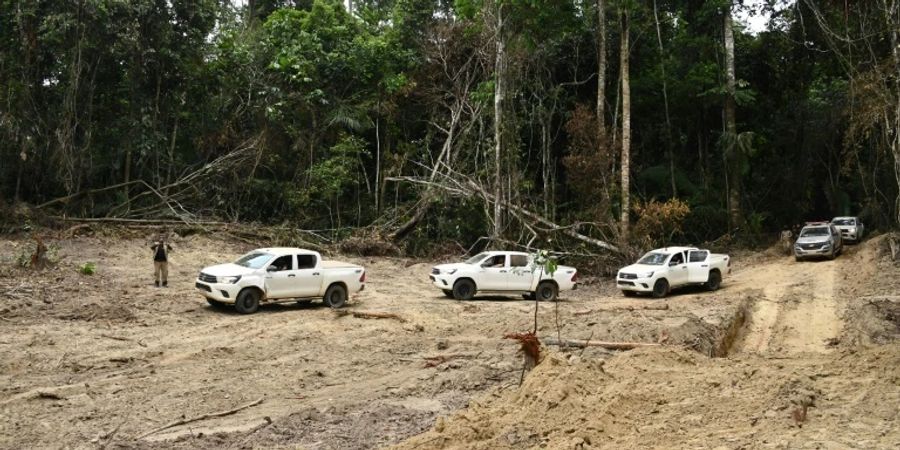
column 494, row 274
column 309, row 277
column 520, row 273
column 678, row 270
column 280, row 277
column 698, row 266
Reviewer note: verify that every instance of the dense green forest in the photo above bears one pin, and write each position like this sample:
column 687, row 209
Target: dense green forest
column 424, row 121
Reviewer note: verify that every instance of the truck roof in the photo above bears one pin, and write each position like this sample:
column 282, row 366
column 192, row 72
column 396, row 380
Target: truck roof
column 504, row 252
column 281, row 251
column 674, row 249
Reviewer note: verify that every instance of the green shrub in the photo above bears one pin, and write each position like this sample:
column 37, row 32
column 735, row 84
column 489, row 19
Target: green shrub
column 88, row 268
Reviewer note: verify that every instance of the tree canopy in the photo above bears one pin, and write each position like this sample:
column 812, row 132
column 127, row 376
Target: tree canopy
column 338, row 115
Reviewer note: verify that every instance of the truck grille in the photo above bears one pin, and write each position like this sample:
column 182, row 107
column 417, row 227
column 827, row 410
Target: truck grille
column 810, row 246
column 628, row 276
column 207, row 277
column 435, row 271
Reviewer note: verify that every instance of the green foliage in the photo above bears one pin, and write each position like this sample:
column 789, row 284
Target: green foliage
column 87, row 268
column 542, row 259
column 335, row 106
column 329, row 177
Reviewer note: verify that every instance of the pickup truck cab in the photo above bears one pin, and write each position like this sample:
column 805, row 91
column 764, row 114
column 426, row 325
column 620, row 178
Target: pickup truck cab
column 851, row 228
column 502, row 272
column 661, row 270
column 270, row 275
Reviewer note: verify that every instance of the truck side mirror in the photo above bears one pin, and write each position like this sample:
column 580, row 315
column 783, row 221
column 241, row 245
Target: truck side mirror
column 271, row 269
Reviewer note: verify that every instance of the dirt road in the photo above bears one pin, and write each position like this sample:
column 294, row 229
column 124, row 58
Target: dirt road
column 99, row 361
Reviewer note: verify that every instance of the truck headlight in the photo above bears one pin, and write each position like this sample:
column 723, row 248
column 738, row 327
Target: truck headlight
column 645, row 275
column 229, row 280
column 451, row 271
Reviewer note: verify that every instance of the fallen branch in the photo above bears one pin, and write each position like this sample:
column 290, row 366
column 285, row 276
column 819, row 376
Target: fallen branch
column 371, row 315
column 199, row 418
column 131, row 221
column 50, row 395
column 454, row 183
column 434, row 361
column 662, row 307
column 580, row 343
column 117, row 338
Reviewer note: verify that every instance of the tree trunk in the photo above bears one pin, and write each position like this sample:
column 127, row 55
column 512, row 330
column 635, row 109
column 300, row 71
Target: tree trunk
column 626, row 128
column 377, row 166
column 892, row 13
column 601, row 74
column 665, row 91
column 732, row 162
column 498, row 118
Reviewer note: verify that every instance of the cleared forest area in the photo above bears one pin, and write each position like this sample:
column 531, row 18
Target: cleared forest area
column 108, row 360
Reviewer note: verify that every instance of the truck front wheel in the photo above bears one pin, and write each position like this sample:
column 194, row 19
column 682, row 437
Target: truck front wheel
column 447, row 292
column 335, row 296
column 247, row 301
column 463, row 290
column 660, row 288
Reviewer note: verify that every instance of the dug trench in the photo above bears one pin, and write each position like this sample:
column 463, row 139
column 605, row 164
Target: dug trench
column 106, row 360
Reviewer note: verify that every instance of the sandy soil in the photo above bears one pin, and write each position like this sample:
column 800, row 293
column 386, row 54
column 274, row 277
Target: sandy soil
column 97, row 361
column 814, row 365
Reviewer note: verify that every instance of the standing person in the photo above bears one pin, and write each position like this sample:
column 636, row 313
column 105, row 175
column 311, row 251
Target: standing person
column 787, row 240
column 161, row 249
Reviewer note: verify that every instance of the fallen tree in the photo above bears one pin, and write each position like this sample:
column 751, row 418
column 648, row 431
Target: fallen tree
column 456, row 184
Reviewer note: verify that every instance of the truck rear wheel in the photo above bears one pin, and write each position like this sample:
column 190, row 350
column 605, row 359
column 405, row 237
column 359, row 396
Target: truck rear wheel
column 714, row 280
column 247, row 301
column 335, row 296
column 463, row 290
column 547, row 291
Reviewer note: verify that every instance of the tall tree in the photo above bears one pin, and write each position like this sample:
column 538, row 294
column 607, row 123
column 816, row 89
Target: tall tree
column 732, row 161
column 499, row 85
column 601, row 73
column 624, row 53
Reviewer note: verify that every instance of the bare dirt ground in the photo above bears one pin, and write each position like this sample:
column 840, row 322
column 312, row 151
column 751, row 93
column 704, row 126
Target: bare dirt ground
column 98, row 361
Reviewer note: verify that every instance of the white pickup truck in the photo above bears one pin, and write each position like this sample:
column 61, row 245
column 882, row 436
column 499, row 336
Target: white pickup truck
column 502, row 272
column 663, row 269
column 272, row 275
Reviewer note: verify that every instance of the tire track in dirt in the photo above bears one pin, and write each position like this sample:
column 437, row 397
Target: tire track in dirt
column 797, row 310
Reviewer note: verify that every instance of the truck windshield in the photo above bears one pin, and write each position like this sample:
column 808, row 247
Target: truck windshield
column 254, row 260
column 475, row 259
column 819, row 231
column 654, row 259
column 844, row 222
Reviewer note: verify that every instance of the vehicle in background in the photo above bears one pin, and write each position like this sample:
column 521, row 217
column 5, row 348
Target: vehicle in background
column 818, row 239
column 661, row 270
column 273, row 275
column 851, row 228
column 502, row 272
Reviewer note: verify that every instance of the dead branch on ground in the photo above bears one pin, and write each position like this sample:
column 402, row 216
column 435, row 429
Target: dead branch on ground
column 199, row 418
column 662, row 307
column 434, row 361
column 370, row 315
column 580, row 343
